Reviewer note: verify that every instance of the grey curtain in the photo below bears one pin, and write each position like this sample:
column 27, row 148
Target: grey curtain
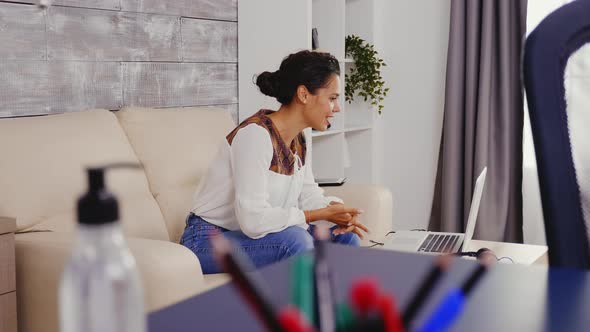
column 483, row 120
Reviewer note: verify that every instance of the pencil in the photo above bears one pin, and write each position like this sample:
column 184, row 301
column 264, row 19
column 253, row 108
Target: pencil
column 247, row 286
column 325, row 302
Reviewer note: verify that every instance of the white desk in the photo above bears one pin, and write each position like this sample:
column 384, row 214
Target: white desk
column 527, row 254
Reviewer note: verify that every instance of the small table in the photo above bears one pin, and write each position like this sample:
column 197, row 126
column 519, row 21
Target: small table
column 7, row 276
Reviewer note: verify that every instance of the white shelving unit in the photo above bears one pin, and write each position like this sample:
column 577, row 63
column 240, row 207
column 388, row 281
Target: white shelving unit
column 269, row 30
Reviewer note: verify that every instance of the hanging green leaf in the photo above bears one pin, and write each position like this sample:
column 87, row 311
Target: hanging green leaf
column 364, row 78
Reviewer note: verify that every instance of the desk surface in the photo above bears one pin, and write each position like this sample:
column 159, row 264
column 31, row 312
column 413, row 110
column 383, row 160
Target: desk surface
column 519, row 253
column 508, row 252
column 509, row 298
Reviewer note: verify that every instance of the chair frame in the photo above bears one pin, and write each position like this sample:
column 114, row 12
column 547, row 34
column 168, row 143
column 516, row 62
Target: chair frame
column 547, row 50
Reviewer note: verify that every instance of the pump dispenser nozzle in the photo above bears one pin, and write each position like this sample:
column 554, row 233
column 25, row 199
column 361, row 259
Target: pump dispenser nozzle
column 98, row 205
column 101, row 272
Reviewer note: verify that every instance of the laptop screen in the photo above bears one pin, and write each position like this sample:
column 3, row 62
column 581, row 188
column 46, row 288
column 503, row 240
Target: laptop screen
column 477, row 193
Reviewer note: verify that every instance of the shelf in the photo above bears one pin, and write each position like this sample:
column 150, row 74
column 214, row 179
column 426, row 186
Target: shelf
column 357, row 128
column 326, row 133
column 348, row 147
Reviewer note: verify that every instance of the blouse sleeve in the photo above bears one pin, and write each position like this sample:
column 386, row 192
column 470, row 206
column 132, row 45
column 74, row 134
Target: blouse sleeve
column 251, row 154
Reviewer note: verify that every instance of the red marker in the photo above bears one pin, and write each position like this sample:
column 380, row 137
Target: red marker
column 367, row 299
column 292, row 320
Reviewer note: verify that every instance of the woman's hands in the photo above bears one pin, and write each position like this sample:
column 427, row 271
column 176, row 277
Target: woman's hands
column 346, row 218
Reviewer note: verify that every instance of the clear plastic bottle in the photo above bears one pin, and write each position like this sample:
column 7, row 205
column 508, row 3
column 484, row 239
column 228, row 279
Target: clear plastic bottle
column 100, row 288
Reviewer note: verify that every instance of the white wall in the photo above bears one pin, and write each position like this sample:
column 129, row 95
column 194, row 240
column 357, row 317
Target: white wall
column 252, row 33
column 412, row 38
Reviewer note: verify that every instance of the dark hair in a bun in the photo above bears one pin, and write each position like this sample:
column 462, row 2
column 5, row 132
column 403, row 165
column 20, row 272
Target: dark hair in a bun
column 308, row 68
column 268, row 83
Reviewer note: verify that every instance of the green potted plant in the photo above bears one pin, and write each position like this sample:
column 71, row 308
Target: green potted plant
column 364, row 78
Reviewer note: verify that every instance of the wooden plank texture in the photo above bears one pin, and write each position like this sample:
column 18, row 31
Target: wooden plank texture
column 212, row 9
column 7, row 267
column 98, row 35
column 22, row 32
column 98, row 4
column 8, row 322
column 179, row 84
column 30, row 88
column 209, row 41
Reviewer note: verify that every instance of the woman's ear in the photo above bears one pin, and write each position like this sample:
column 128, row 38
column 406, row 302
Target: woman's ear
column 302, row 94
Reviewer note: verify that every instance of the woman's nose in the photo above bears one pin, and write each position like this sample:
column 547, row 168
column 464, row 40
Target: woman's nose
column 336, row 107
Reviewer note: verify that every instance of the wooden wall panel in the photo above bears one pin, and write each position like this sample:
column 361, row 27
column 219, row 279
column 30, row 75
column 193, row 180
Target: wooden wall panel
column 209, row 41
column 22, row 32
column 99, row 35
column 179, row 84
column 30, row 88
column 98, row 4
column 82, row 54
column 212, row 9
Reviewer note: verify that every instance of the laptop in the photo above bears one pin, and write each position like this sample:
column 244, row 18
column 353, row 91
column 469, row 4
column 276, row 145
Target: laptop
column 439, row 242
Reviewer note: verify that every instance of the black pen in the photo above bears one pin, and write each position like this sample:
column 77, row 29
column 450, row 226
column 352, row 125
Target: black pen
column 474, row 278
column 440, row 265
column 246, row 285
column 452, row 304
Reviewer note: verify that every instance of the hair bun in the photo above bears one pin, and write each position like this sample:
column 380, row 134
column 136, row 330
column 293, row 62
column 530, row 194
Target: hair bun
column 269, row 83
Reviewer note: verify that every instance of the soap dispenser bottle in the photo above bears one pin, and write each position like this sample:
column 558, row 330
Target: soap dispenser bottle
column 100, row 288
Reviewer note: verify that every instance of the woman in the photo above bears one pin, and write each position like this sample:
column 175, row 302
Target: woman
column 259, row 190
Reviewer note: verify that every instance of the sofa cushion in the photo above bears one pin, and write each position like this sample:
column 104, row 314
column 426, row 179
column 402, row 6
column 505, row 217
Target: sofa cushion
column 169, row 274
column 175, row 146
column 42, row 172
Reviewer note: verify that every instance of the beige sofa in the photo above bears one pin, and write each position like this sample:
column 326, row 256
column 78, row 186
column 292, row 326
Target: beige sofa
column 42, row 174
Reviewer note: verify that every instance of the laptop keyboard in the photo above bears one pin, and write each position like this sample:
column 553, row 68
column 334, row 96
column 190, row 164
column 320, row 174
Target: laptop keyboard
column 439, row 243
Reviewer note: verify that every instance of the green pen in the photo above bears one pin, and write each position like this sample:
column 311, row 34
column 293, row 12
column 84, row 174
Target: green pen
column 345, row 318
column 302, row 286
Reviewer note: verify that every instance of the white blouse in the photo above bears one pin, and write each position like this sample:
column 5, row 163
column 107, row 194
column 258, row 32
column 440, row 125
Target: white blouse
column 240, row 192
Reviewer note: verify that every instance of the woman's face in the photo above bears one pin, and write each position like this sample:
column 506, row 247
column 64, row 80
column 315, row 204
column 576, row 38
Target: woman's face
column 321, row 106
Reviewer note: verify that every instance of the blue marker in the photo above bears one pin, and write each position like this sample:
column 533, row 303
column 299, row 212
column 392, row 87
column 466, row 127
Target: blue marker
column 452, row 305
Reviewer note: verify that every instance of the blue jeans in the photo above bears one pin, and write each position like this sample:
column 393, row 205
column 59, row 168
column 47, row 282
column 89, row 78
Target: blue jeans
column 269, row 249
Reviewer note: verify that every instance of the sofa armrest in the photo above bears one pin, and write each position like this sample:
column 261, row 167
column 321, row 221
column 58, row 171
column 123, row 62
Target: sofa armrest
column 7, row 225
column 169, row 273
column 376, row 201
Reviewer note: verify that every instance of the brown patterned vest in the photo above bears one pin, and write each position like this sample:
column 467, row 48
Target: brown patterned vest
column 283, row 158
